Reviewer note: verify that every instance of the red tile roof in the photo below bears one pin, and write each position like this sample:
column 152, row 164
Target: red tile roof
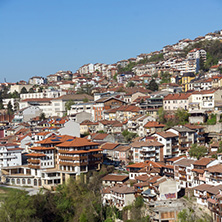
column 178, row 96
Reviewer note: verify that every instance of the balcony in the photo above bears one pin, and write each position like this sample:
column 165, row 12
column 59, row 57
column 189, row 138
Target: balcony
column 182, row 137
column 82, row 164
column 73, row 158
column 34, row 166
column 169, row 174
column 215, row 177
column 35, row 161
column 98, row 155
column 182, row 172
column 183, row 178
column 67, row 163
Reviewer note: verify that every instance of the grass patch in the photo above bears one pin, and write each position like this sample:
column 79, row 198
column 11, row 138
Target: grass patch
column 5, row 191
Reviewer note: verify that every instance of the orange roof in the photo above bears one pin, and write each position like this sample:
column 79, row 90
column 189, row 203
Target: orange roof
column 77, row 142
column 137, row 165
column 55, row 139
column 210, row 91
column 42, row 148
column 109, row 146
column 177, row 96
column 166, row 134
column 203, row 161
column 175, row 158
column 42, row 133
column 35, row 155
column 152, row 124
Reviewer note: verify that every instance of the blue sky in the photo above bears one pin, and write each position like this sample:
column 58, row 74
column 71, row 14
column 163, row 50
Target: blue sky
column 44, row 36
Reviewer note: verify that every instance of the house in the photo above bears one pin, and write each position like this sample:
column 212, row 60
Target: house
column 43, row 104
column 36, row 80
column 109, row 149
column 205, row 100
column 183, row 172
column 10, row 155
column 59, row 104
column 70, row 128
column 176, row 101
column 170, row 142
column 102, row 137
column 112, row 180
column 136, row 124
column 120, row 196
column 110, row 102
column 121, row 153
column 147, row 150
column 199, row 168
column 186, row 78
column 153, row 127
column 186, row 137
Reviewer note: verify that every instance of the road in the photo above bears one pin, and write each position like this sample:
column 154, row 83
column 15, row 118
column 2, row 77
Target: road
column 31, row 190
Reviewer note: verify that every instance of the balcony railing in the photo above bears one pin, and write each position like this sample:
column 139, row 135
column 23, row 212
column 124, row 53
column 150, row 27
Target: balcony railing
column 35, row 161
column 34, row 166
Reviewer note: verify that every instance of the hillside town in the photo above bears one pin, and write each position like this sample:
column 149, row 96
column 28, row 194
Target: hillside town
column 156, row 119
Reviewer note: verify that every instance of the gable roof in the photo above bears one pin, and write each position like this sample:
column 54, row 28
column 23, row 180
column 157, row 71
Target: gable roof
column 177, row 96
column 153, row 124
column 204, row 161
column 115, row 177
column 109, row 146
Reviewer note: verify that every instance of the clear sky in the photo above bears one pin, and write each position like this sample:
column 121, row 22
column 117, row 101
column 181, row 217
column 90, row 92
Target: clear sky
column 41, row 37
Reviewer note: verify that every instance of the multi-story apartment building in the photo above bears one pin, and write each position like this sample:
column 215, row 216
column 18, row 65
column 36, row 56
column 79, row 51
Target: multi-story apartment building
column 186, row 78
column 48, row 93
column 10, row 155
column 183, row 172
column 170, row 142
column 147, row 150
column 186, row 137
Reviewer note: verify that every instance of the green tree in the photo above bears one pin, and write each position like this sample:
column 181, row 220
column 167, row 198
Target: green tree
column 31, row 90
column 23, row 90
column 68, row 105
column 189, row 215
column 182, row 116
column 15, row 94
column 85, row 89
column 17, row 207
column 197, row 151
column 40, row 89
column 165, row 77
column 212, row 119
column 153, row 86
column 42, row 116
column 1, row 104
column 162, row 114
column 130, row 84
column 85, row 100
column 128, row 136
column 10, row 108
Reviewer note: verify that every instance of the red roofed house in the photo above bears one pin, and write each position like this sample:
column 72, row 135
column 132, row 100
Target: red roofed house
column 175, row 101
column 153, row 127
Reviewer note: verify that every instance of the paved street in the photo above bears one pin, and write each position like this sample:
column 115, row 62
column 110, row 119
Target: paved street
column 31, row 191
